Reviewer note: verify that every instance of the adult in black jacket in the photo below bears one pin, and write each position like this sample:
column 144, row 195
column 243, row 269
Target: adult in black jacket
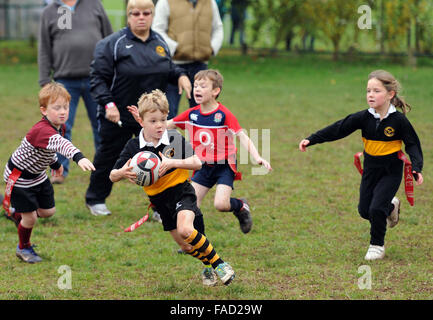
column 126, row 64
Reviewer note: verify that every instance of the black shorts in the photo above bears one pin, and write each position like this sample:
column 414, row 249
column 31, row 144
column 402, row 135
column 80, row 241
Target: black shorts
column 169, row 202
column 33, row 198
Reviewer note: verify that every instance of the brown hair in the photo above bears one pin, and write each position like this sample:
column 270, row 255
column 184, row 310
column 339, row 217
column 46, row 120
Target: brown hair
column 51, row 92
column 151, row 102
column 213, row 75
column 391, row 84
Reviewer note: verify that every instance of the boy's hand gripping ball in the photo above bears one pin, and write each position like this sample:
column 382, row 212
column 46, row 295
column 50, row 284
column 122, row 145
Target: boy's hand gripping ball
column 146, row 165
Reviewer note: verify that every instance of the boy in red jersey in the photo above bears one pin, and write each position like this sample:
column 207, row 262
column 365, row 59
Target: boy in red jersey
column 29, row 191
column 212, row 129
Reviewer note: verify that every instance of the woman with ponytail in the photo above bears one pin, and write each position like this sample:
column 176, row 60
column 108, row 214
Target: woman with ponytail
column 384, row 129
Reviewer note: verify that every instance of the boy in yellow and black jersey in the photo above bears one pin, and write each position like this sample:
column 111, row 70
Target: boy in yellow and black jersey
column 172, row 195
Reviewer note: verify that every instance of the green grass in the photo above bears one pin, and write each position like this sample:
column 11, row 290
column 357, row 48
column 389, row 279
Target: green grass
column 307, row 241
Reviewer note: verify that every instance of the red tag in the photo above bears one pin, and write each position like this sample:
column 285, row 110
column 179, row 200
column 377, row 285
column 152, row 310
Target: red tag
column 408, row 177
column 135, row 225
column 357, row 162
column 13, row 177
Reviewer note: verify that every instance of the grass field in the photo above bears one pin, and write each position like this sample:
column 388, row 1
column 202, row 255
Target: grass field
column 307, row 241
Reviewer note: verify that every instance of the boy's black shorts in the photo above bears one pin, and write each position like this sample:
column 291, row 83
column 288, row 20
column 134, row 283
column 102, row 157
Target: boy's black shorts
column 33, row 198
column 169, row 202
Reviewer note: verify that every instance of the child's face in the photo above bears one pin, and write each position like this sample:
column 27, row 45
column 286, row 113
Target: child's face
column 154, row 124
column 203, row 91
column 57, row 112
column 377, row 95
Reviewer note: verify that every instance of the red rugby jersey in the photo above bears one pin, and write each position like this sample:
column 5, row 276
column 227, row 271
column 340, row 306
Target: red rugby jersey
column 211, row 134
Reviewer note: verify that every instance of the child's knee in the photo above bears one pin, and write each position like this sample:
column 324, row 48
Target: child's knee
column 222, row 205
column 46, row 213
column 364, row 212
column 28, row 219
column 185, row 231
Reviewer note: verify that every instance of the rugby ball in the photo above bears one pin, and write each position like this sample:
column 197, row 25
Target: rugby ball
column 146, row 165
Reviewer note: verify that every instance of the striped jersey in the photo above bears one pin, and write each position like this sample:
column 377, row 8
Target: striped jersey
column 382, row 138
column 37, row 151
column 211, row 134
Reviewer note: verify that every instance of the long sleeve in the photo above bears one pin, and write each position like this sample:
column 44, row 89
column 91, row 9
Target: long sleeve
column 217, row 36
column 45, row 59
column 106, row 28
column 102, row 73
column 412, row 146
column 337, row 130
column 160, row 24
column 175, row 72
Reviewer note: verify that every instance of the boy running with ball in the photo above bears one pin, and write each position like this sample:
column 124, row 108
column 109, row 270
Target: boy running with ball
column 172, row 195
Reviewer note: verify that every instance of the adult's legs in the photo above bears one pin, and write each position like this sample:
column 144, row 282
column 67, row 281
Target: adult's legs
column 173, row 97
column 73, row 86
column 91, row 107
column 113, row 139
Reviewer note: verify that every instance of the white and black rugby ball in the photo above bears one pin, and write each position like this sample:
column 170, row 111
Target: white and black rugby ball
column 146, row 165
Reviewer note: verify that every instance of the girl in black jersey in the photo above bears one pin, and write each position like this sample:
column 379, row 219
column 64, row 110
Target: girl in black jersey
column 384, row 129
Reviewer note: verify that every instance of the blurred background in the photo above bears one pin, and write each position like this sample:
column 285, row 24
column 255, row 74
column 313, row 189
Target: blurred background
column 399, row 29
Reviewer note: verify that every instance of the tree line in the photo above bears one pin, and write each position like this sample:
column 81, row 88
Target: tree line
column 393, row 26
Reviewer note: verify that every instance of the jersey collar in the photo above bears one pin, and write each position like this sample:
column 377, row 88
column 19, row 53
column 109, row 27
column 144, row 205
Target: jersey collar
column 391, row 109
column 164, row 140
column 132, row 36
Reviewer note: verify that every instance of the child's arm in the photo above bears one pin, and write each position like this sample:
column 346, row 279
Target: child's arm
column 190, row 163
column 134, row 111
column 57, row 172
column 86, row 165
column 123, row 173
column 249, row 145
column 170, row 124
column 413, row 148
column 303, row 145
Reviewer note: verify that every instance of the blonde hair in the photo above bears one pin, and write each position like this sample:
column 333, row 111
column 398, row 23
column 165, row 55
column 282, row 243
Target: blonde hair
column 51, row 92
column 391, row 84
column 140, row 4
column 151, row 102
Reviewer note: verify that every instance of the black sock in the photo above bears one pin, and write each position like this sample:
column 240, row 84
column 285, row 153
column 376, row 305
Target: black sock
column 235, row 205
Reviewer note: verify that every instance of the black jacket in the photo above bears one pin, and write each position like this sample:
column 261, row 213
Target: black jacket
column 124, row 67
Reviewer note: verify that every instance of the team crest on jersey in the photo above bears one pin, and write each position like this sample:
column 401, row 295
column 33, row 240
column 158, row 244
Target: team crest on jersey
column 160, row 50
column 169, row 153
column 193, row 116
column 218, row 117
column 389, row 131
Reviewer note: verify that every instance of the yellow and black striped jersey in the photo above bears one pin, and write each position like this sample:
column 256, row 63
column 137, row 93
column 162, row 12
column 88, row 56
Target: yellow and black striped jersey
column 380, row 137
column 175, row 147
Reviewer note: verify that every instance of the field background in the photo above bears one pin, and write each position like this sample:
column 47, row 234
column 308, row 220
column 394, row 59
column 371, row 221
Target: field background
column 307, row 241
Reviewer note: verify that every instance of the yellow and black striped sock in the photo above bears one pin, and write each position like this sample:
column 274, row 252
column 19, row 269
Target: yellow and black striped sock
column 202, row 249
